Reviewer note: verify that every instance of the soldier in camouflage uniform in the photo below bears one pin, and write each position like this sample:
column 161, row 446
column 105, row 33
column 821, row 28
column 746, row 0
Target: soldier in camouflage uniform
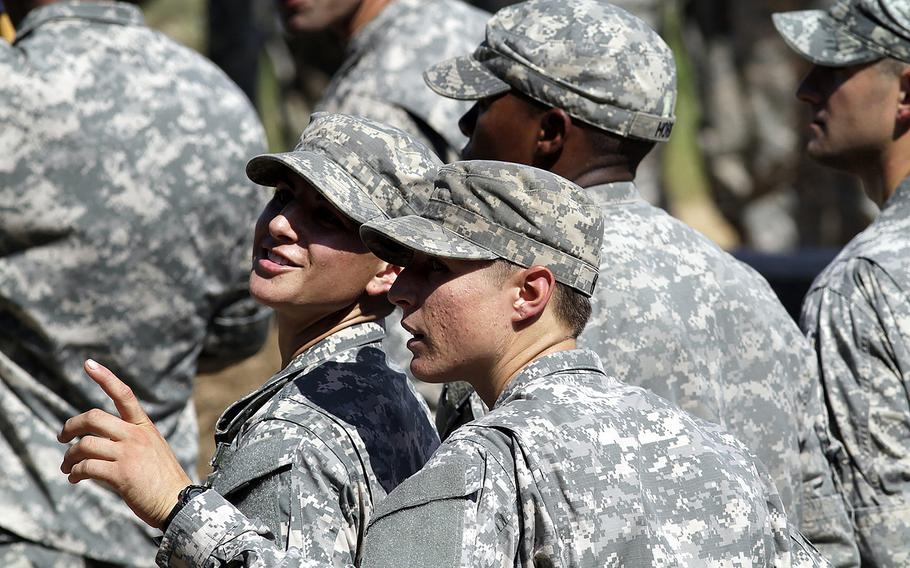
column 123, row 234
column 857, row 312
column 585, row 89
column 571, row 468
column 388, row 47
column 308, row 456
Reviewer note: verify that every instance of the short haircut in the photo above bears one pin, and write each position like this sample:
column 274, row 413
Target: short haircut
column 572, row 308
column 632, row 149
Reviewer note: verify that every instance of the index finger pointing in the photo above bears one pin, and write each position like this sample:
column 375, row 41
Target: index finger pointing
column 126, row 402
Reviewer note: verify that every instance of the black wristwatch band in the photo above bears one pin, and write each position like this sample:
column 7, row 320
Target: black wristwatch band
column 183, row 498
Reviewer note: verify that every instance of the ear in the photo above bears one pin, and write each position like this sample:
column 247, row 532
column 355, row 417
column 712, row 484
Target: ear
column 903, row 104
column 553, row 129
column 535, row 287
column 382, row 281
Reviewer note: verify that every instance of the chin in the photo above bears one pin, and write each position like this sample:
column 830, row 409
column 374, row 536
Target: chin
column 425, row 373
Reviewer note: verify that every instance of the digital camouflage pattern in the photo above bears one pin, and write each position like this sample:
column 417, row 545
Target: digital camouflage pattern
column 850, row 32
column 590, row 58
column 365, row 169
column 381, row 75
column 306, row 458
column 857, row 315
column 483, row 210
column 124, row 231
column 573, row 468
column 675, row 314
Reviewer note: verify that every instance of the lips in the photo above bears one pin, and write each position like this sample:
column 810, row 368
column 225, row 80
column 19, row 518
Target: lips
column 416, row 335
column 278, row 259
column 270, row 262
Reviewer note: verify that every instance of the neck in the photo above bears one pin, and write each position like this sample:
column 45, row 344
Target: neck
column 365, row 13
column 295, row 336
column 508, row 367
column 593, row 170
column 881, row 178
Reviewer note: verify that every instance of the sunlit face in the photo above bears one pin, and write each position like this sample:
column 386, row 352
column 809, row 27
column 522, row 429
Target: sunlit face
column 301, row 16
column 307, row 256
column 854, row 111
column 503, row 128
column 459, row 316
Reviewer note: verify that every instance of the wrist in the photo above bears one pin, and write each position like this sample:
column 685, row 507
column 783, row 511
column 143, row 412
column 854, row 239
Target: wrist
column 185, row 496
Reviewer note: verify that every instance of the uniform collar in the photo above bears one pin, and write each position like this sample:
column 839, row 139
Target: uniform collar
column 615, row 193
column 352, row 337
column 559, row 362
column 899, row 202
column 371, row 34
column 104, row 12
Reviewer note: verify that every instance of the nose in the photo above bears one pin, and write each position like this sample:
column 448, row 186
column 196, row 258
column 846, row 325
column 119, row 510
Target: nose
column 809, row 90
column 468, row 120
column 280, row 227
column 402, row 291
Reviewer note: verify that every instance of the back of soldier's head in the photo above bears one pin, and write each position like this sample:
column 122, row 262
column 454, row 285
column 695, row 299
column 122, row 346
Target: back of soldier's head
column 602, row 65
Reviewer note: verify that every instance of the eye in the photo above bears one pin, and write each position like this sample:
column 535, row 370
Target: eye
column 435, row 265
column 282, row 196
column 328, row 218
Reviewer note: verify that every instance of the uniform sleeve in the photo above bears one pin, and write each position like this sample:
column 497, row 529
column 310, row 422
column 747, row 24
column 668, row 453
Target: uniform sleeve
column 458, row 511
column 824, row 520
column 322, row 515
column 859, row 326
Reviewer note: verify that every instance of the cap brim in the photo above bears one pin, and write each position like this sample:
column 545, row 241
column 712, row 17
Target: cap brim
column 463, row 78
column 819, row 38
column 327, row 177
column 396, row 240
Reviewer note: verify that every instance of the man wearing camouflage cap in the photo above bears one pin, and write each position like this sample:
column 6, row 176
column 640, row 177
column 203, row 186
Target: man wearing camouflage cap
column 309, row 455
column 123, row 227
column 585, row 90
column 571, row 468
column 857, row 312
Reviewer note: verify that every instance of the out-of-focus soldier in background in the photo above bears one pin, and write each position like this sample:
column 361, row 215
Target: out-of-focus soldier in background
column 673, row 313
column 857, row 313
column 123, row 235
column 759, row 178
column 388, row 45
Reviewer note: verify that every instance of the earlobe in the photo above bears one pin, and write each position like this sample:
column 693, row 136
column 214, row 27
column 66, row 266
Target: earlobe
column 551, row 136
column 535, row 287
column 382, row 281
column 903, row 105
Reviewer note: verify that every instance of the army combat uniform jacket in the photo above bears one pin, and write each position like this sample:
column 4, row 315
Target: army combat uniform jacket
column 124, row 228
column 571, row 469
column 306, row 458
column 382, row 75
column 857, row 315
column 676, row 315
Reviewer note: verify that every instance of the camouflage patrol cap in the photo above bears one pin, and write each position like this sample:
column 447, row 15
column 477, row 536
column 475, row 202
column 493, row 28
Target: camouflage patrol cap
column 599, row 63
column 365, row 169
column 849, row 33
column 485, row 210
